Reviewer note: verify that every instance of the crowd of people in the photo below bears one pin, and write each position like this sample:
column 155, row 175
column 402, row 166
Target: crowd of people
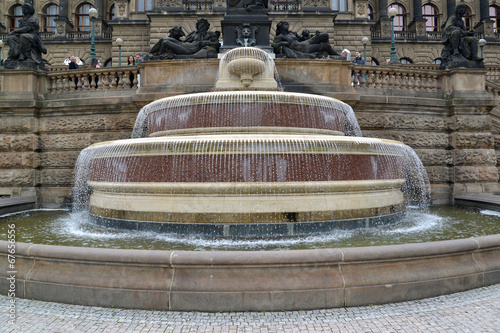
column 74, row 62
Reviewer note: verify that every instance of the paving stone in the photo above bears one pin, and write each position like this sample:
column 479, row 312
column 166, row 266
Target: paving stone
column 471, row 311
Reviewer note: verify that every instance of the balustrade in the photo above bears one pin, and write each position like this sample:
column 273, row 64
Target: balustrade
column 93, row 79
column 285, row 5
column 396, row 78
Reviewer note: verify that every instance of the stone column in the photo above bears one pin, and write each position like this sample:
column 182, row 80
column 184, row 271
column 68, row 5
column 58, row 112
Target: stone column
column 485, row 25
column 418, row 23
column 484, row 10
column 450, row 7
column 384, row 22
column 62, row 22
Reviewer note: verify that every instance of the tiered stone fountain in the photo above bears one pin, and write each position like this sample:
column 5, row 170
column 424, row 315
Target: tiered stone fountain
column 248, row 163
column 247, row 160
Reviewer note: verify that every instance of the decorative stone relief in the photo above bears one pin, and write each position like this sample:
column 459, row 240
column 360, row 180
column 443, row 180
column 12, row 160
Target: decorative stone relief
column 360, row 9
column 420, row 28
column 121, row 8
column 316, row 3
column 386, row 28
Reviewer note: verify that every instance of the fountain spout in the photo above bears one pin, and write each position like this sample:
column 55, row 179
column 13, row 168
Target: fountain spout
column 246, row 68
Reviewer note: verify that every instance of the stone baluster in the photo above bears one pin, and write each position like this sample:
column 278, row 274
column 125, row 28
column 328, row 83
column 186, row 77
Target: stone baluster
column 125, row 80
column 107, row 77
column 115, row 80
column 411, row 81
column 404, row 81
column 136, row 82
column 53, row 81
column 378, row 79
column 355, row 77
column 79, row 81
column 59, row 84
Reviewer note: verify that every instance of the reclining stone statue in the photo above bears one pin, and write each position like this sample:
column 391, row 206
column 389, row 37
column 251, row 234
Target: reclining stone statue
column 25, row 45
column 460, row 46
column 198, row 44
column 291, row 45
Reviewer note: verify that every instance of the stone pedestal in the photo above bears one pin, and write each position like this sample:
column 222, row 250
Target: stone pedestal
column 384, row 26
column 418, row 25
column 232, row 21
column 486, row 28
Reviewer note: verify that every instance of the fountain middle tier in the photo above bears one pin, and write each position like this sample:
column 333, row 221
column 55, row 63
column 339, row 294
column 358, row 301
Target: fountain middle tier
column 246, row 184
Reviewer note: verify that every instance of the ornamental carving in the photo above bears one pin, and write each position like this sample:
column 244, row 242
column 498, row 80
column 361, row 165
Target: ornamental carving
column 386, row 29
column 316, row 3
column 420, row 30
column 122, row 8
column 60, row 29
column 361, row 9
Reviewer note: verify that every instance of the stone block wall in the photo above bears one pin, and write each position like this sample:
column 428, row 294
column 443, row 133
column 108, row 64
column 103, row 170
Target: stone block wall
column 451, row 131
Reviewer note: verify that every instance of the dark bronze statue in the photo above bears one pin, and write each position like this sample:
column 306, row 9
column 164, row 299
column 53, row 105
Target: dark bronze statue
column 460, row 46
column 246, row 35
column 291, row 45
column 247, row 5
column 26, row 46
column 200, row 43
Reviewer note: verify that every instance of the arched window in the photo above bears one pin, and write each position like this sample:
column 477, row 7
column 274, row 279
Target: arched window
column 339, row 5
column 431, row 14
column 436, row 61
column 467, row 18
column 495, row 16
column 143, row 5
column 405, row 61
column 50, row 13
column 15, row 17
column 400, row 18
column 370, row 12
column 112, row 12
column 82, row 17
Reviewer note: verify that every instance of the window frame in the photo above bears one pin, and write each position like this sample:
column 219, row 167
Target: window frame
column 400, row 18
column 431, row 26
column 15, row 18
column 82, row 16
column 49, row 17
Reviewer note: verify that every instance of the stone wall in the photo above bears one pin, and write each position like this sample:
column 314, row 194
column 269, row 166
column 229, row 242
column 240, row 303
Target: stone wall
column 448, row 124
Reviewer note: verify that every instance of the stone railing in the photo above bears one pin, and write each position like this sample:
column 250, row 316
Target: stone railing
column 435, row 35
column 197, row 5
column 74, row 35
column 404, row 35
column 285, row 5
column 493, row 73
column 96, row 78
column 397, row 78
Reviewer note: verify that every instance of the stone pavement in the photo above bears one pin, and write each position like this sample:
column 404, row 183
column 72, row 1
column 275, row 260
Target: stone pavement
column 471, row 311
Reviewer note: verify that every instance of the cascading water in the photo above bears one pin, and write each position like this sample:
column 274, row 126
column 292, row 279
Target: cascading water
column 248, row 162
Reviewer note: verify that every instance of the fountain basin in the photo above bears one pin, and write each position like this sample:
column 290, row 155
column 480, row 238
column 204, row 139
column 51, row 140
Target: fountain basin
column 255, row 281
column 264, row 180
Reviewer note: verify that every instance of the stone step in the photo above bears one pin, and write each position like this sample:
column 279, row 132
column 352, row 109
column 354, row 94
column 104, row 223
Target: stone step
column 480, row 200
column 16, row 204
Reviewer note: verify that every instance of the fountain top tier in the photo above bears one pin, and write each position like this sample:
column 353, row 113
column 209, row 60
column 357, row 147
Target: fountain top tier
column 246, row 112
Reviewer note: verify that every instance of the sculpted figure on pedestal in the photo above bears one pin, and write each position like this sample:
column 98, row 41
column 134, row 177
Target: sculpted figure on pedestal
column 25, row 45
column 198, row 44
column 460, row 46
column 291, row 45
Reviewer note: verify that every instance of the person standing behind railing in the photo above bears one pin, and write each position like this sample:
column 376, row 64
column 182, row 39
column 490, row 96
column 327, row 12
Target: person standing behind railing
column 358, row 60
column 74, row 65
column 94, row 63
column 131, row 62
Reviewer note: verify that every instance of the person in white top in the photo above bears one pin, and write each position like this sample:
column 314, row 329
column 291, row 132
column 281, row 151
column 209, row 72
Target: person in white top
column 67, row 60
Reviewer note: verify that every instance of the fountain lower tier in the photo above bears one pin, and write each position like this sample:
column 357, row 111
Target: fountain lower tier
column 245, row 185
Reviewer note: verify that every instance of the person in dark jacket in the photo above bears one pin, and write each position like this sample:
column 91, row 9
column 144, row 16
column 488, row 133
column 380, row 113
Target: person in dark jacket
column 358, row 61
column 74, row 65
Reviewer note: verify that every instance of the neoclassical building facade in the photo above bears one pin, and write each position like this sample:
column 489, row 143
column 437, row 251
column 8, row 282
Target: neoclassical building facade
column 65, row 25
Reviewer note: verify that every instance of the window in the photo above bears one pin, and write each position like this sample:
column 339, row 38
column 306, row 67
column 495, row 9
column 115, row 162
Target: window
column 400, row 18
column 15, row 17
column 431, row 14
column 405, row 61
column 370, row 12
column 495, row 16
column 436, row 61
column 467, row 18
column 112, row 12
column 339, row 5
column 50, row 13
column 82, row 17
column 143, row 5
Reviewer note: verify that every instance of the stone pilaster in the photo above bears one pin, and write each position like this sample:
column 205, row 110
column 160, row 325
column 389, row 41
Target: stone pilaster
column 471, row 140
column 418, row 22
